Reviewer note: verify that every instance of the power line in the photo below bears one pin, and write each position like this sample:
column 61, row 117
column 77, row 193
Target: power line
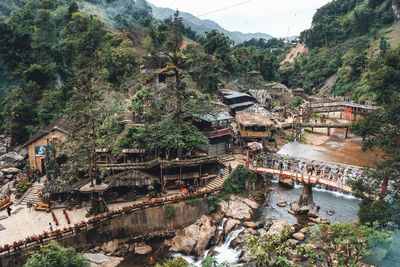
column 224, row 8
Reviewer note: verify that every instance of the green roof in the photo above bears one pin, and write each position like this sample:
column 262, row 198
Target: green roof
column 212, row 118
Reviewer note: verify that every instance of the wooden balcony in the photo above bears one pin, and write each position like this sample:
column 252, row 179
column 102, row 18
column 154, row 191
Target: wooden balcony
column 255, row 134
column 217, row 133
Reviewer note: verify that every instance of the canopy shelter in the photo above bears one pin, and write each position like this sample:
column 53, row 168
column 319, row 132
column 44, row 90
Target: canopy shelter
column 254, row 125
column 58, row 189
column 95, row 188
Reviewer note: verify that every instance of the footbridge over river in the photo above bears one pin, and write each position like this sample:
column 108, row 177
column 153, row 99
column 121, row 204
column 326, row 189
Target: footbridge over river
column 328, row 175
column 307, row 179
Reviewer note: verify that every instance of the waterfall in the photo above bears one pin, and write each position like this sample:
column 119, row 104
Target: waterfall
column 221, row 225
column 223, row 253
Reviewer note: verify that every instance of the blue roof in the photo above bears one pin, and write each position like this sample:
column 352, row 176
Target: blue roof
column 212, row 118
column 235, row 96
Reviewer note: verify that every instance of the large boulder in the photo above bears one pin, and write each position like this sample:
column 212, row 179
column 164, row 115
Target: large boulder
column 238, row 208
column 230, row 225
column 99, row 259
column 286, row 182
column 277, row 227
column 110, row 247
column 252, row 225
column 240, row 240
column 282, row 203
column 195, row 238
column 12, row 159
column 11, row 170
column 298, row 236
column 143, row 250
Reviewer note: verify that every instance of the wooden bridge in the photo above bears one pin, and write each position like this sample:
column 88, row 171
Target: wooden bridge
column 328, row 126
column 307, row 179
column 337, row 106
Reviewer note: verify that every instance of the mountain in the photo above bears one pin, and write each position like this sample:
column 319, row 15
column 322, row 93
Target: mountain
column 347, row 43
column 204, row 25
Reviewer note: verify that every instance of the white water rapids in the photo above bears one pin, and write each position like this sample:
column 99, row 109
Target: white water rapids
column 223, row 252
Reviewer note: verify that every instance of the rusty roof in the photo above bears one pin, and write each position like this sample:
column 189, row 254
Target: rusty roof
column 253, row 119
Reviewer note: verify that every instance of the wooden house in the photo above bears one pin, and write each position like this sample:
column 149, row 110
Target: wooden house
column 216, row 129
column 254, row 126
column 40, row 142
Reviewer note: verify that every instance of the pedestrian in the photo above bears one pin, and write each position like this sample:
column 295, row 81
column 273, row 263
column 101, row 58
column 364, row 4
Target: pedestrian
column 254, row 164
column 230, row 168
column 221, row 172
column 9, row 211
column 50, row 227
column 318, row 208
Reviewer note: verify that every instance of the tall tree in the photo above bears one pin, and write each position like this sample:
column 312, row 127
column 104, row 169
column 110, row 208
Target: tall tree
column 84, row 116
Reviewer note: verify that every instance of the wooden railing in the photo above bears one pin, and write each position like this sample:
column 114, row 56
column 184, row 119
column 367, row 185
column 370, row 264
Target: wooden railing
column 217, row 133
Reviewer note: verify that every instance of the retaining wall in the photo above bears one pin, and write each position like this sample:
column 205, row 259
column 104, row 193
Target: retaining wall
column 140, row 222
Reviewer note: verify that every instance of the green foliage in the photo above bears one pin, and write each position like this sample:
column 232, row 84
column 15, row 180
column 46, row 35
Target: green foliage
column 212, row 262
column 346, row 243
column 288, row 138
column 239, row 182
column 53, row 254
column 191, row 202
column 269, row 249
column 236, row 182
column 176, row 262
column 169, row 212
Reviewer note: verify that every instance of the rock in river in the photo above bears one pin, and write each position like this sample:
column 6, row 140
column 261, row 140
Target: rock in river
column 298, row 236
column 194, row 238
column 277, row 227
column 238, row 208
column 252, row 225
column 230, row 225
column 143, row 250
column 282, row 203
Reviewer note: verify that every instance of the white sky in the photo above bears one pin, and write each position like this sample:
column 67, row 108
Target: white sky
column 274, row 17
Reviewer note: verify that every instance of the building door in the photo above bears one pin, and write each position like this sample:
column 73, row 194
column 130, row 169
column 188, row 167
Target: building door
column 43, row 166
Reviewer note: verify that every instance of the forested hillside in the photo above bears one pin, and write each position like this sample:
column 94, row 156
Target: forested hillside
column 50, row 49
column 348, row 39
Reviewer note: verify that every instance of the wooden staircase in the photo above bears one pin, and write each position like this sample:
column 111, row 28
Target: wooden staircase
column 31, row 195
column 218, row 181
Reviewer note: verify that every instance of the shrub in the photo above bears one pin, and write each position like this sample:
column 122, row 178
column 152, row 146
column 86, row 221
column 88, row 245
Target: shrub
column 169, row 212
column 191, row 202
column 235, row 184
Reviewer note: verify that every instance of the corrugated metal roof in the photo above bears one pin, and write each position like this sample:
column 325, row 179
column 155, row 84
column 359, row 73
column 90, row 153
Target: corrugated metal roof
column 212, row 118
column 235, row 96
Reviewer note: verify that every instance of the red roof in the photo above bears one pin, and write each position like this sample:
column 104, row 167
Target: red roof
column 61, row 125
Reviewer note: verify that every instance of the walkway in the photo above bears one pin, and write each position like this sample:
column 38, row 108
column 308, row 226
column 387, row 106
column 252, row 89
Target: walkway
column 307, row 179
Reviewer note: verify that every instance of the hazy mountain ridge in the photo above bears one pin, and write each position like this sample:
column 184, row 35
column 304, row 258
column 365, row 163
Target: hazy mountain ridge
column 201, row 26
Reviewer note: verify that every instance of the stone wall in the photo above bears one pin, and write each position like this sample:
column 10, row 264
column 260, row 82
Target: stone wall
column 142, row 222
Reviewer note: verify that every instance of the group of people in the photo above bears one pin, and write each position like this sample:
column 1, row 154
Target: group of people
column 35, row 176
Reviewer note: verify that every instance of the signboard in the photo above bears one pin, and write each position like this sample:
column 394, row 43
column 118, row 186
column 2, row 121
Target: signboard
column 40, row 151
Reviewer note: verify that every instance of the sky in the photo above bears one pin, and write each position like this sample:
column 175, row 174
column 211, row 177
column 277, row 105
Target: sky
column 279, row 18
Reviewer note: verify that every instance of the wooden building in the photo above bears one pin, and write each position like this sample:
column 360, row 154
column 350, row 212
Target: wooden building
column 40, row 142
column 238, row 101
column 217, row 130
column 254, row 126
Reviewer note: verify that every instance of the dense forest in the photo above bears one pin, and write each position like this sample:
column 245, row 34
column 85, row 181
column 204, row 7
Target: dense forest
column 348, row 39
column 47, row 45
